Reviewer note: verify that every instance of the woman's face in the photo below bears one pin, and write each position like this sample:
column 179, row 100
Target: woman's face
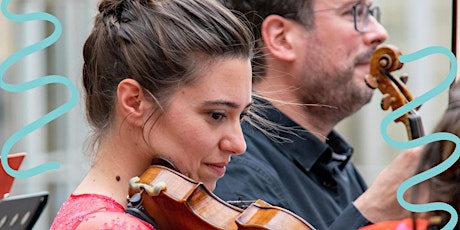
column 201, row 128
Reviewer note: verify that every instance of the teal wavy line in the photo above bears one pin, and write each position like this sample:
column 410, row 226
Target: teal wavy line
column 59, row 111
column 425, row 139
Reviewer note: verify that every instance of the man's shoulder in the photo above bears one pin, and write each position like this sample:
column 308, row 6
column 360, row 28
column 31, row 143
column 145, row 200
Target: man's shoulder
column 258, row 140
column 258, row 161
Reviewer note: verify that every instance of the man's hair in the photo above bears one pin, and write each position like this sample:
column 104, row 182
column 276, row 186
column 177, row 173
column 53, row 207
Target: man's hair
column 255, row 11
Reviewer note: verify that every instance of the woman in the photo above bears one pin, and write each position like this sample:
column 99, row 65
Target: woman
column 166, row 79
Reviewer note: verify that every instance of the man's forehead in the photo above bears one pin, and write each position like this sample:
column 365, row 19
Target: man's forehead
column 324, row 4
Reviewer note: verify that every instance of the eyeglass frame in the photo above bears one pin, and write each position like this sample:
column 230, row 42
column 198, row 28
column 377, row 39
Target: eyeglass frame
column 369, row 10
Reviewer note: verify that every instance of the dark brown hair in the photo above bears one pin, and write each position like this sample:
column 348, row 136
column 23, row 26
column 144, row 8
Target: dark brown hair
column 444, row 187
column 255, row 11
column 162, row 44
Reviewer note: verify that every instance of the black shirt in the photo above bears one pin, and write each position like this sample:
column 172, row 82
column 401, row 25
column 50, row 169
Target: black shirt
column 300, row 173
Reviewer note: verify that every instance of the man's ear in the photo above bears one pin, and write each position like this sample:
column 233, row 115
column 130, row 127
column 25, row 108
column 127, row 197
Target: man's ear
column 133, row 106
column 277, row 38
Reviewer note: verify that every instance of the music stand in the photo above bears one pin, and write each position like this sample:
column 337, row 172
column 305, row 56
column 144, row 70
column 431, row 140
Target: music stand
column 21, row 212
column 6, row 180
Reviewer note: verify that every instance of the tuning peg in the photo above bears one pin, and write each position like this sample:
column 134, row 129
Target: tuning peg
column 404, row 77
column 386, row 102
column 371, row 82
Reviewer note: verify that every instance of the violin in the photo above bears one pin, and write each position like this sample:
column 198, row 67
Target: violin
column 174, row 201
column 384, row 60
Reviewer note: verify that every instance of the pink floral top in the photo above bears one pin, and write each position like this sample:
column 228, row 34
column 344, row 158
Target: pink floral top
column 96, row 211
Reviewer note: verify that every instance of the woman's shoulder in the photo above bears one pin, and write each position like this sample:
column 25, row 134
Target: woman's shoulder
column 113, row 220
column 93, row 211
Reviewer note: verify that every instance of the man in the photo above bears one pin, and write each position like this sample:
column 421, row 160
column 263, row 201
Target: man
column 311, row 60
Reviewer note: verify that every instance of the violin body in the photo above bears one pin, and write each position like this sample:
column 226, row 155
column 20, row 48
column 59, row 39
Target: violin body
column 177, row 202
column 261, row 215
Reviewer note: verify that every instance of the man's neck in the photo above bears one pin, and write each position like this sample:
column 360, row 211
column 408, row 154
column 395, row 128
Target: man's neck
column 287, row 102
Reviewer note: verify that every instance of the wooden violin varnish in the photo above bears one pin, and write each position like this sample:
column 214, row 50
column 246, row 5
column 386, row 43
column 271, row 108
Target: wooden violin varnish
column 175, row 201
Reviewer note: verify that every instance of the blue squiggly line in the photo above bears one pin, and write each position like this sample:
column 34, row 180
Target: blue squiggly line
column 59, row 111
column 425, row 139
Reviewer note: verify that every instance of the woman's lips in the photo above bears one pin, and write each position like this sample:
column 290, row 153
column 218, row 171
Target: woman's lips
column 218, row 168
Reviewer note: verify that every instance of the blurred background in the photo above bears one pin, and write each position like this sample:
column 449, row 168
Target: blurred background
column 411, row 24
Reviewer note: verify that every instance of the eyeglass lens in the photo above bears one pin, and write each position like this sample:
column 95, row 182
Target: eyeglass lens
column 361, row 15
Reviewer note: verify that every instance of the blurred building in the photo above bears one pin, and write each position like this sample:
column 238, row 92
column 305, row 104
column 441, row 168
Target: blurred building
column 412, row 25
column 61, row 140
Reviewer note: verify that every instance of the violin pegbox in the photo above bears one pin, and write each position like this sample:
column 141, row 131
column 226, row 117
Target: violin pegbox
column 395, row 94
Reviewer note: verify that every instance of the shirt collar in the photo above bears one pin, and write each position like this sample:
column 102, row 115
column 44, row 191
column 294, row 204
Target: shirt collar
column 335, row 149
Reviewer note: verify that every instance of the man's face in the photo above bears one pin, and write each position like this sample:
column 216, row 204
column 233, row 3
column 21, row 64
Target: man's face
column 336, row 58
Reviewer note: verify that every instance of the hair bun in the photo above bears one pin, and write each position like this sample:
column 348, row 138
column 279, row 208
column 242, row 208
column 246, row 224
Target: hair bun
column 115, row 6
column 111, row 6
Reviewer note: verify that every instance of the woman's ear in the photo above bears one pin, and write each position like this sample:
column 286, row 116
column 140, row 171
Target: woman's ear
column 132, row 103
column 277, row 36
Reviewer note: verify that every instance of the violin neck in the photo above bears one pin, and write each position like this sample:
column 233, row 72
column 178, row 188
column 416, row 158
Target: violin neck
column 415, row 129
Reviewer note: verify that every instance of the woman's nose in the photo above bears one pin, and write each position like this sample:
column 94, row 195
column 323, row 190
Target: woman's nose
column 233, row 142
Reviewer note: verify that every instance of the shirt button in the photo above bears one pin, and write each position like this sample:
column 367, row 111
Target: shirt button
column 327, row 184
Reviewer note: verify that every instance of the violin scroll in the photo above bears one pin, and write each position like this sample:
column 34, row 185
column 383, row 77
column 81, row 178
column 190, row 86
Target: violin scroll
column 385, row 60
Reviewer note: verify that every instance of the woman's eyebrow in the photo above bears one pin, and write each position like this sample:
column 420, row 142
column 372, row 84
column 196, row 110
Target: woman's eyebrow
column 225, row 103
column 222, row 102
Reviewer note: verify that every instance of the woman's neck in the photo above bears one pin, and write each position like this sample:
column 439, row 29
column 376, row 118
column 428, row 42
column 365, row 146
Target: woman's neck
column 114, row 165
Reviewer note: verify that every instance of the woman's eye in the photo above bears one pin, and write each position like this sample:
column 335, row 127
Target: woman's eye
column 217, row 116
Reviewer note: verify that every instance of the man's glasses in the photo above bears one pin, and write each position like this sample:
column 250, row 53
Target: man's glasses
column 361, row 13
